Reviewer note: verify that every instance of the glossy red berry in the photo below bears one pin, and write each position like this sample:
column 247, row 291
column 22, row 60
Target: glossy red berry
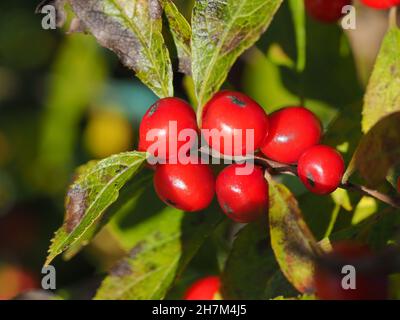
column 229, row 116
column 292, row 130
column 204, row 289
column 321, row 169
column 242, row 196
column 327, row 11
column 328, row 279
column 14, row 281
column 167, row 117
column 398, row 184
column 189, row 187
column 381, row 4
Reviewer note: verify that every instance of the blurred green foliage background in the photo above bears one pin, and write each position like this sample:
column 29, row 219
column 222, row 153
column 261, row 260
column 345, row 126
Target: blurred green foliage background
column 65, row 100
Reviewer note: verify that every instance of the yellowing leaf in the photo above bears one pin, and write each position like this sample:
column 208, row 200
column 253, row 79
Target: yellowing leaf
column 293, row 244
column 383, row 92
column 95, row 188
column 164, row 244
column 133, row 30
column 377, row 151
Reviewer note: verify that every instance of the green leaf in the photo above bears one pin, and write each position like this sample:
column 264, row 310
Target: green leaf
column 383, row 92
column 278, row 285
column 250, row 265
column 182, row 34
column 133, row 30
column 163, row 245
column 95, row 188
column 127, row 195
column 299, row 20
column 222, row 30
column 292, row 242
column 377, row 151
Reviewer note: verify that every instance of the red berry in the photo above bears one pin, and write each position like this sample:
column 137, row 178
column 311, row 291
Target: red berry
column 381, row 4
column 15, row 280
column 327, row 11
column 243, row 198
column 204, row 289
column 328, row 281
column 292, row 131
column 398, row 184
column 228, row 111
column 188, row 187
column 162, row 117
column 321, row 169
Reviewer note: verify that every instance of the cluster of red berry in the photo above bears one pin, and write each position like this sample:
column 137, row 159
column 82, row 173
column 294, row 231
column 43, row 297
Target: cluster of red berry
column 330, row 11
column 290, row 136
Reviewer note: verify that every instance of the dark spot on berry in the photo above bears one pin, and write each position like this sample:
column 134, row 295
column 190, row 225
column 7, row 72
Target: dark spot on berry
column 310, row 179
column 153, row 109
column 170, row 202
column 237, row 101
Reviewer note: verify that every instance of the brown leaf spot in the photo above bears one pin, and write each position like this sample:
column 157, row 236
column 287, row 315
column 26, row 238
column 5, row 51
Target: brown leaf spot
column 137, row 249
column 185, row 65
column 155, row 9
column 121, row 168
column 233, row 42
column 121, row 269
column 158, row 235
column 77, row 26
column 151, row 267
column 75, row 207
column 393, row 70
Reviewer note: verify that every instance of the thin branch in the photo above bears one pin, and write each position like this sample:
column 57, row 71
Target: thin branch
column 393, row 201
column 276, row 168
